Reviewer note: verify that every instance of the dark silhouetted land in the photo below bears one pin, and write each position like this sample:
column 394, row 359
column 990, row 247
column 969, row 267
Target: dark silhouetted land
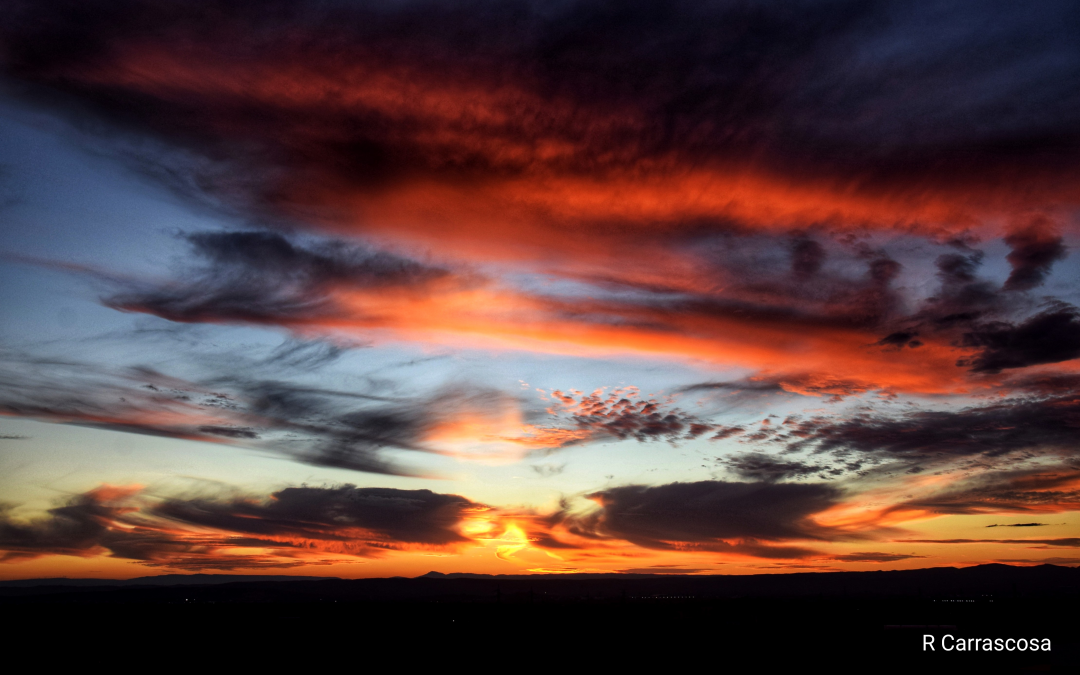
column 817, row 618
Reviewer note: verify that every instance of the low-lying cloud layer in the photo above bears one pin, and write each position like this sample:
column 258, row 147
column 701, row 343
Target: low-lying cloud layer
column 292, row 527
column 305, row 525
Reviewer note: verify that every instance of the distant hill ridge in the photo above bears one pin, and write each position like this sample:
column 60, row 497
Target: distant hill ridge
column 940, row 577
column 158, row 580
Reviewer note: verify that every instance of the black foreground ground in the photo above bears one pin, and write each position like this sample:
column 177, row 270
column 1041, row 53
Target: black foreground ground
column 840, row 622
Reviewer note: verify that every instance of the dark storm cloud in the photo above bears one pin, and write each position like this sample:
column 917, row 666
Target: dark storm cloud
column 704, row 513
column 74, row 528
column 963, row 301
column 764, row 385
column 1034, row 251
column 292, row 523
column 230, row 432
column 973, row 313
column 112, row 408
column 387, row 516
column 1018, row 525
column 263, row 277
column 963, row 297
column 345, row 424
column 800, row 84
column 993, row 429
column 1032, row 417
column 104, row 520
column 954, row 268
column 758, row 466
column 806, row 257
column 901, row 339
column 1050, row 337
column 761, row 282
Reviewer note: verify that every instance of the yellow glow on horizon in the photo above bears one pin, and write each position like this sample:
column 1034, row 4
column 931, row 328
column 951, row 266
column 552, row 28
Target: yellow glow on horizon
column 519, row 541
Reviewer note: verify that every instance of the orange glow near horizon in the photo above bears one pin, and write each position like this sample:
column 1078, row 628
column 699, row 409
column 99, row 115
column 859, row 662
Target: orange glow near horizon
column 501, row 544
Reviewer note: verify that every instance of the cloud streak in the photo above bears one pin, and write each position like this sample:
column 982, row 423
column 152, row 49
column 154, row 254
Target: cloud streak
column 306, row 525
column 289, row 528
column 353, row 430
column 741, row 519
column 370, row 100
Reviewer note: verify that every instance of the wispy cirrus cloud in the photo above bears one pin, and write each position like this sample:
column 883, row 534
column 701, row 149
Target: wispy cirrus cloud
column 1064, row 542
column 1018, row 525
column 992, row 429
column 1051, row 489
column 872, row 557
column 263, row 277
column 313, row 424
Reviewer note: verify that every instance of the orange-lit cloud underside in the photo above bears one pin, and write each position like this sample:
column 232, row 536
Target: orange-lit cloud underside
column 122, row 523
column 532, row 197
column 488, row 317
column 530, row 203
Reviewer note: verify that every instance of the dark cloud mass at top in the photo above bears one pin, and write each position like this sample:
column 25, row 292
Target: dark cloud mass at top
column 865, row 90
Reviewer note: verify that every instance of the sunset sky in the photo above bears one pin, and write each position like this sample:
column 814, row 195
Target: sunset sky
column 377, row 288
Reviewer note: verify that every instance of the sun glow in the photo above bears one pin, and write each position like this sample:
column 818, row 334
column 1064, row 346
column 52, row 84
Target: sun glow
column 518, row 541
